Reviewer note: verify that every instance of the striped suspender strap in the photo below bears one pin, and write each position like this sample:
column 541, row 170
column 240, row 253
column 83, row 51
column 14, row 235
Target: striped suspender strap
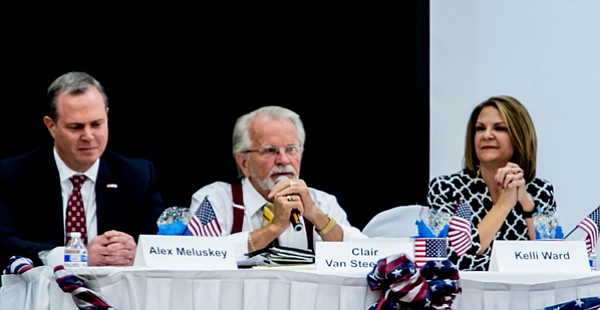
column 309, row 234
column 238, row 214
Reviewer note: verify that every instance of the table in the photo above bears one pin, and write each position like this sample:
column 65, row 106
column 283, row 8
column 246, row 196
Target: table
column 133, row 288
column 497, row 290
column 147, row 288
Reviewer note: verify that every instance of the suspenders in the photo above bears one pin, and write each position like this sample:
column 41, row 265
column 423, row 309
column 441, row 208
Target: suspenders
column 238, row 215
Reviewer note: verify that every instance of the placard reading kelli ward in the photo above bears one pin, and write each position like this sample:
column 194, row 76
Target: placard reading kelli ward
column 540, row 256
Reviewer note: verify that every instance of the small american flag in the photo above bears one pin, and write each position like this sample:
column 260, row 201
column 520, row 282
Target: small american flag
column 204, row 222
column 427, row 249
column 459, row 229
column 590, row 225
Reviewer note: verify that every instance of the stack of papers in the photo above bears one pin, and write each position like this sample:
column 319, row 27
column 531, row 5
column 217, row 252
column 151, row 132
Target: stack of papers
column 278, row 256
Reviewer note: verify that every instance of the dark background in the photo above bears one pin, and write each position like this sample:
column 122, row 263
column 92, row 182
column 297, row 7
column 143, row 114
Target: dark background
column 357, row 76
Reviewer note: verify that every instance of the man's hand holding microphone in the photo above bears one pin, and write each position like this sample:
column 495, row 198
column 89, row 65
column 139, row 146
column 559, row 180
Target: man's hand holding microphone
column 292, row 198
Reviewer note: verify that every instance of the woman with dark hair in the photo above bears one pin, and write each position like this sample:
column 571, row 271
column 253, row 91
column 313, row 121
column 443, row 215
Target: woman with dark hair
column 498, row 180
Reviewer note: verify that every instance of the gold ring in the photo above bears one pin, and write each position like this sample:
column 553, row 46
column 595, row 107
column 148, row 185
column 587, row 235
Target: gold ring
column 290, row 198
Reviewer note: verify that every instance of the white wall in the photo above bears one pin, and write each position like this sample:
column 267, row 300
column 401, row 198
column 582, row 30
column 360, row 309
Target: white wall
column 546, row 53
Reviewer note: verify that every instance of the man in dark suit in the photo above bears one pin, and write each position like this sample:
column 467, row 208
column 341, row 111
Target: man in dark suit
column 120, row 194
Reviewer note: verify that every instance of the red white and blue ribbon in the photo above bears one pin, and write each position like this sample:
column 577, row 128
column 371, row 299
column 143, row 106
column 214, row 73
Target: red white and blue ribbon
column 84, row 298
column 18, row 265
column 434, row 286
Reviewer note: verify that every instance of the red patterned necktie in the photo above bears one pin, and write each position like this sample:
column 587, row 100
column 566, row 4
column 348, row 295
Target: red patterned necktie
column 75, row 217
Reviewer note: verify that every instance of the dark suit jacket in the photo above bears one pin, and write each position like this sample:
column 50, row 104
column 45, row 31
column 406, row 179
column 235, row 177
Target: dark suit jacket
column 31, row 207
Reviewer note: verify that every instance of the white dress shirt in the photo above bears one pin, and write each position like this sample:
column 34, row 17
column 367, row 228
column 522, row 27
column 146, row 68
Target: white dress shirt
column 88, row 193
column 221, row 198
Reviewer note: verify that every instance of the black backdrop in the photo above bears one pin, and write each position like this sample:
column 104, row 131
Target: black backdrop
column 359, row 80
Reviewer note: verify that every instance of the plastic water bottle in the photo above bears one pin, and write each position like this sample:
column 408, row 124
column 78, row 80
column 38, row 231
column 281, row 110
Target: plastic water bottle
column 593, row 261
column 75, row 251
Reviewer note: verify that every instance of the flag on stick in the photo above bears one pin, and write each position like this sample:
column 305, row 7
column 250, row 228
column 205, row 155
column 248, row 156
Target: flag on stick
column 590, row 225
column 459, row 228
column 204, row 222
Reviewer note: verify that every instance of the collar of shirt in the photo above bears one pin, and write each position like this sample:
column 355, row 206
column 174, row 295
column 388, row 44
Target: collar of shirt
column 253, row 200
column 65, row 172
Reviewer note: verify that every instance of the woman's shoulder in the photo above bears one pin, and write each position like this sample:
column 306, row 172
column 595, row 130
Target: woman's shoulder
column 460, row 175
column 540, row 183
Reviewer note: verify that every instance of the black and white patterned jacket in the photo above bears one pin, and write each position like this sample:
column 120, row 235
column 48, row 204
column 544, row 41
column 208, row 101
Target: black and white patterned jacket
column 445, row 192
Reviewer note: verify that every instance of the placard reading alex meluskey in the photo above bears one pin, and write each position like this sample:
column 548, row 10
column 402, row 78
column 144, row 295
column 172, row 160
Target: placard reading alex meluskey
column 185, row 252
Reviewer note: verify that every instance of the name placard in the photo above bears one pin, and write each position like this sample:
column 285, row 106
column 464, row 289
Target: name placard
column 185, row 252
column 540, row 256
column 358, row 256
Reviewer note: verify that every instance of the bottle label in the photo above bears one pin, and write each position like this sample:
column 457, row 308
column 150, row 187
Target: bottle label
column 75, row 260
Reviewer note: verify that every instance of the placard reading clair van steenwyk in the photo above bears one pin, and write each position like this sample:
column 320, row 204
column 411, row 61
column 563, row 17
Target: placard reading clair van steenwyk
column 358, row 257
column 185, row 252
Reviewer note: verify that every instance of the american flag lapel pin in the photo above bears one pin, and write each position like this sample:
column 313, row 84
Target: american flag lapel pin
column 112, row 185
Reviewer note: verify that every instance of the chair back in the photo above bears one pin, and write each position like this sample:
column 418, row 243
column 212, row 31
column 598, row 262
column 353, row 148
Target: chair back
column 395, row 222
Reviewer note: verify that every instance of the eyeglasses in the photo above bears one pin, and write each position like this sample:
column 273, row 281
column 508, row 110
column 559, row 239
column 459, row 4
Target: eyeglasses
column 274, row 151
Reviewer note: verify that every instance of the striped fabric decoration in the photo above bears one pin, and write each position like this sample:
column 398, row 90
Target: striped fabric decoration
column 404, row 286
column 18, row 265
column 83, row 297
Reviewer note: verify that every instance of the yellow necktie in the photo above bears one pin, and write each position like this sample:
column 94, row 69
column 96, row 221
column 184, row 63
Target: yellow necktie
column 267, row 214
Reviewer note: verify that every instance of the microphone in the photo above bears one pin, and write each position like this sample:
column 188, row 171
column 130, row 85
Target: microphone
column 295, row 214
column 295, row 219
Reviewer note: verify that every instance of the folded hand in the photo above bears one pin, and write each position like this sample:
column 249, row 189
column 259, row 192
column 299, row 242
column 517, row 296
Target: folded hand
column 113, row 248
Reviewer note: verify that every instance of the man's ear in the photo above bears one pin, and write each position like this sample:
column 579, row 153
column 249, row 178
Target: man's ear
column 51, row 125
column 242, row 161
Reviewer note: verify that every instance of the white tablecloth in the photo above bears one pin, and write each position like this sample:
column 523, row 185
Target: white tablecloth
column 145, row 288
column 496, row 290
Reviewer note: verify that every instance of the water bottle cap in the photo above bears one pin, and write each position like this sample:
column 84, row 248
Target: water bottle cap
column 75, row 234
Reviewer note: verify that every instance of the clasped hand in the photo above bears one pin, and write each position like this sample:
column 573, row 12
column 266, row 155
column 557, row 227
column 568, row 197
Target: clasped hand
column 511, row 184
column 291, row 194
column 113, row 248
